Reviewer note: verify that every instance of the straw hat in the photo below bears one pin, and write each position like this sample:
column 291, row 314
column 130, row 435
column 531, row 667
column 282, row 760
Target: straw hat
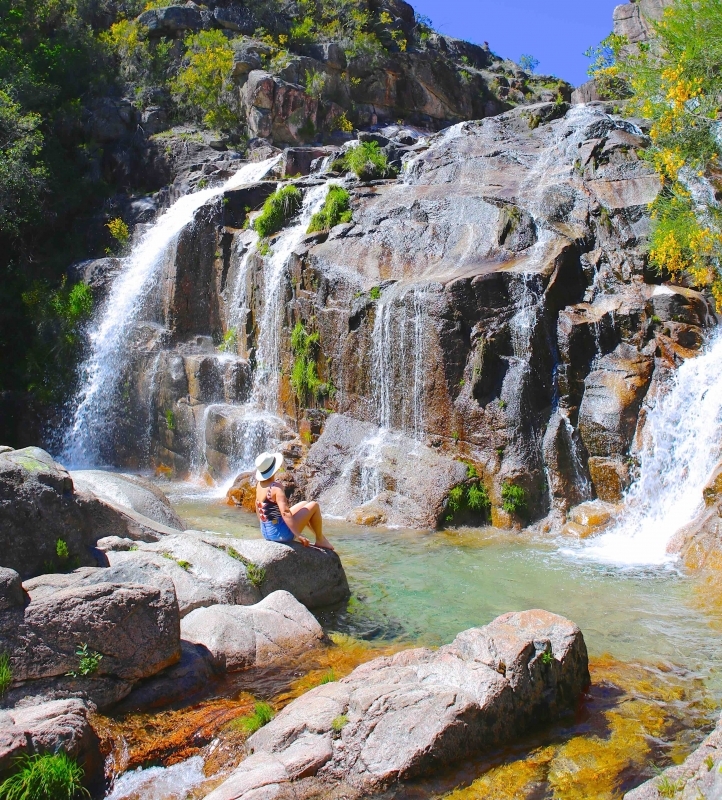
column 267, row 465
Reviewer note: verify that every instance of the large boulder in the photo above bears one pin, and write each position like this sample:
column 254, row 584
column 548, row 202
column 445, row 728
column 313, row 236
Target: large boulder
column 371, row 476
column 202, row 574
column 396, row 718
column 47, row 524
column 136, row 629
column 240, row 637
column 129, row 493
column 208, row 569
column 60, row 725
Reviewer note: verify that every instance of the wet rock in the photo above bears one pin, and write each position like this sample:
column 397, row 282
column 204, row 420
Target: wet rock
column 400, row 717
column 60, row 725
column 594, row 514
column 243, row 492
column 569, row 479
column 135, row 628
column 240, row 637
column 699, row 543
column 415, row 479
column 698, row 776
column 612, row 398
column 610, row 477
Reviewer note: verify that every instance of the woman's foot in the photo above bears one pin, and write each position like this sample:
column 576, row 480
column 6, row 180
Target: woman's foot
column 303, row 540
column 324, row 543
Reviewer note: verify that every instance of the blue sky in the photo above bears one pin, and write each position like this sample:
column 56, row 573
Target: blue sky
column 557, row 32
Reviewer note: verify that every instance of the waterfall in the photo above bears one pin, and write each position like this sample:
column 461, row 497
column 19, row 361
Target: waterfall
column 111, row 335
column 265, row 382
column 176, row 782
column 683, row 434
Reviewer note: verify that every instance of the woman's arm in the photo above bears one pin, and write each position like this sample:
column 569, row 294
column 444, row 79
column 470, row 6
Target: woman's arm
column 280, row 497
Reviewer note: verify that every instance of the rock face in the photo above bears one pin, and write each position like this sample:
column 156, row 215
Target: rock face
column 134, row 627
column 401, row 717
column 635, row 19
column 698, row 776
column 40, row 507
column 239, row 637
column 490, row 306
column 699, row 544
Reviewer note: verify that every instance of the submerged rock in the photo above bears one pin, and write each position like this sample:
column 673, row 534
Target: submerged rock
column 254, row 636
column 700, row 776
column 400, row 717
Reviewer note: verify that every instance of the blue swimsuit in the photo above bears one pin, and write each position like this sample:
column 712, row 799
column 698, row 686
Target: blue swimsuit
column 273, row 525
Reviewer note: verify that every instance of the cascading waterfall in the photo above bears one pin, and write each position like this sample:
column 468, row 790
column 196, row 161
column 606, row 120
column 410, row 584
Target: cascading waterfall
column 683, row 435
column 265, row 382
column 110, row 337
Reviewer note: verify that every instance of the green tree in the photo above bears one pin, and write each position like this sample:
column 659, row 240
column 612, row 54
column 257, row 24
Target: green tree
column 204, row 86
column 676, row 82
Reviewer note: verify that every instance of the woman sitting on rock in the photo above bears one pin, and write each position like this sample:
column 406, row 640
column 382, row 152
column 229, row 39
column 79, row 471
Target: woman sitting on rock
column 279, row 521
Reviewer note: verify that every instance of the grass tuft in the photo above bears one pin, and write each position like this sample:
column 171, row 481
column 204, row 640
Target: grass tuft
column 339, row 723
column 6, row 673
column 329, row 677
column 335, row 210
column 250, row 723
column 277, row 210
column 44, row 777
column 256, row 575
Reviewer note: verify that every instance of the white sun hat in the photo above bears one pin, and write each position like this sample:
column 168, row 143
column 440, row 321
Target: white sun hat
column 267, row 465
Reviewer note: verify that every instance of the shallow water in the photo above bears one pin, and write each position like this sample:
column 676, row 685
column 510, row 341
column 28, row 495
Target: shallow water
column 656, row 662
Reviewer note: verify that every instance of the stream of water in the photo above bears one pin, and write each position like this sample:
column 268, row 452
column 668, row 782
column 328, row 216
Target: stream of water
column 110, row 338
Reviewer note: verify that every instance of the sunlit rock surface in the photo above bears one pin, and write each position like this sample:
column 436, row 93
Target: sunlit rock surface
column 401, row 717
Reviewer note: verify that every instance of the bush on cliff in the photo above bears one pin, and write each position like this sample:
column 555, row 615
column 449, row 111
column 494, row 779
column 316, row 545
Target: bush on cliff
column 368, row 161
column 44, row 777
column 277, row 210
column 676, row 82
column 204, row 86
column 335, row 210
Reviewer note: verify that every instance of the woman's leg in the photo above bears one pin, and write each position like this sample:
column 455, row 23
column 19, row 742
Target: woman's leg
column 309, row 513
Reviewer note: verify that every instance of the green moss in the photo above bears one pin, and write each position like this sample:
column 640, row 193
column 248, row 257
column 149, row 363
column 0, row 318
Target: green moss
column 170, row 419
column 230, row 342
column 185, row 565
column 277, row 210
column 6, row 673
column 335, row 210
column 477, row 498
column 44, row 777
column 514, row 500
column 375, row 293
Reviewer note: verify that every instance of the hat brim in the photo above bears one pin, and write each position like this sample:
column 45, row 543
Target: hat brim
column 272, row 470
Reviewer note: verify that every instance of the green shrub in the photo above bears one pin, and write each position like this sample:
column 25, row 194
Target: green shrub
column 304, row 373
column 477, row 498
column 44, row 777
column 6, row 673
column 262, row 715
column 335, row 210
column 547, row 658
column 368, row 161
column 88, row 662
column 529, row 63
column 375, row 293
column 471, row 471
column 277, row 210
column 339, row 723
column 61, row 549
column 230, row 341
column 456, row 499
column 513, row 499
column 170, row 419
column 119, row 231
column 204, row 86
column 315, row 84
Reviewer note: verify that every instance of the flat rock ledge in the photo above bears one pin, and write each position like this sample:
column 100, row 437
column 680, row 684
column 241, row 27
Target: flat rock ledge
column 698, row 777
column 400, row 717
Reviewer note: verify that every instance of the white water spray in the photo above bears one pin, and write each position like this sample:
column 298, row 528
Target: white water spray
column 684, row 444
column 110, row 338
column 176, row 782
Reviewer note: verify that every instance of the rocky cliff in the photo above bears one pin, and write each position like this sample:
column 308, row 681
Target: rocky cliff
column 486, row 319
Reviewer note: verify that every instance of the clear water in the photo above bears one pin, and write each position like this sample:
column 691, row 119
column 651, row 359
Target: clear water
column 426, row 587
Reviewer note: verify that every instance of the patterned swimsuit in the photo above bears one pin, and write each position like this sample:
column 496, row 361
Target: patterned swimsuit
column 273, row 526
